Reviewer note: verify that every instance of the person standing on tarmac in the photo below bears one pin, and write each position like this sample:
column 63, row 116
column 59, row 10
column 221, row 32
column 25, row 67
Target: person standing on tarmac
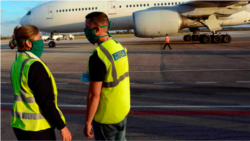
column 35, row 113
column 167, row 42
column 108, row 100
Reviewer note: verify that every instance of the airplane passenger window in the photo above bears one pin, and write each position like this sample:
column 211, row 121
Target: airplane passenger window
column 158, row 4
column 127, row 6
column 89, row 8
column 120, row 6
column 148, row 4
column 60, row 10
column 79, row 9
column 130, row 5
column 69, row 10
column 161, row 4
column 66, row 10
column 86, row 8
column 176, row 3
column 172, row 3
column 95, row 8
column 82, row 9
column 76, row 9
column 63, row 10
column 72, row 9
column 141, row 5
column 155, row 4
column 133, row 5
column 168, row 3
column 56, row 10
column 137, row 5
column 144, row 5
column 113, row 6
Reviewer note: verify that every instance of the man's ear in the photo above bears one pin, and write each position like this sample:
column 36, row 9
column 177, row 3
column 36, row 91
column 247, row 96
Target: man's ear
column 28, row 44
column 98, row 31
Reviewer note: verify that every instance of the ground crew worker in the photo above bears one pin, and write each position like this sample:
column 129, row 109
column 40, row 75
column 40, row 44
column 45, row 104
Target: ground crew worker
column 108, row 100
column 35, row 113
column 167, row 42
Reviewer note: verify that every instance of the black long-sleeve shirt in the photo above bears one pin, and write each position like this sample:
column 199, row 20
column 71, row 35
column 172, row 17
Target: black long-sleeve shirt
column 40, row 83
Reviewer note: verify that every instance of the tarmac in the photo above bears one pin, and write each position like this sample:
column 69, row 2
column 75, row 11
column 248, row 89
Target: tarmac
column 192, row 92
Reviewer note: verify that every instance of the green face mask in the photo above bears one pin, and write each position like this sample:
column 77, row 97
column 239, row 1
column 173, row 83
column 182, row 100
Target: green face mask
column 90, row 34
column 37, row 47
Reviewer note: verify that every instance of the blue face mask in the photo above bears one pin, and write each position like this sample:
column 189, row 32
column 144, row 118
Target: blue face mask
column 90, row 34
column 37, row 47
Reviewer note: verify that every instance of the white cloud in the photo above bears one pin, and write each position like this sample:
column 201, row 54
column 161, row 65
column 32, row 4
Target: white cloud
column 2, row 10
column 7, row 23
column 27, row 8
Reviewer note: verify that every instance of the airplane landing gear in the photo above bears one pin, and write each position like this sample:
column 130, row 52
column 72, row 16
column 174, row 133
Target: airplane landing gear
column 187, row 38
column 216, row 39
column 206, row 39
column 52, row 43
column 226, row 38
column 195, row 37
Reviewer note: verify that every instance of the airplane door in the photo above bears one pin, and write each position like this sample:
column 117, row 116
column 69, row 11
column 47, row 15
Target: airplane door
column 49, row 12
column 112, row 7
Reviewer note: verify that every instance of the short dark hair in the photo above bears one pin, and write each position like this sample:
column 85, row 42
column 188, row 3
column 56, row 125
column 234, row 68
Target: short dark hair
column 166, row 34
column 98, row 18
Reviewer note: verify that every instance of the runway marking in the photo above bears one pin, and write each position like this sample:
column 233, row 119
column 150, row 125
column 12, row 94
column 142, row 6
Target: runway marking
column 206, row 82
column 243, row 81
column 62, row 83
column 195, row 70
column 166, row 83
column 166, row 113
column 3, row 82
column 161, row 106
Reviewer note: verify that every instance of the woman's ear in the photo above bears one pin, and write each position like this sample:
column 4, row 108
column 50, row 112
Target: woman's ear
column 28, row 44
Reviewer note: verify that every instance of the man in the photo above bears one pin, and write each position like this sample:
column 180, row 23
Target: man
column 167, row 42
column 108, row 100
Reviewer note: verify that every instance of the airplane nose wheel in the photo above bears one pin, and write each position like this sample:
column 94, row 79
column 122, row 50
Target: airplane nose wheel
column 52, row 44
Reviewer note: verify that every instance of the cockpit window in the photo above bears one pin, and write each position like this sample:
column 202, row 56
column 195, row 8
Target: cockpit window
column 28, row 13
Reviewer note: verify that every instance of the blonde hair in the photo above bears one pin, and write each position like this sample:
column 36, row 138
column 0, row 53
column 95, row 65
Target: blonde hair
column 28, row 32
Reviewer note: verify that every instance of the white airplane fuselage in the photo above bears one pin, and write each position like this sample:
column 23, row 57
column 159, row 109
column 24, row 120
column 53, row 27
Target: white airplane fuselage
column 53, row 17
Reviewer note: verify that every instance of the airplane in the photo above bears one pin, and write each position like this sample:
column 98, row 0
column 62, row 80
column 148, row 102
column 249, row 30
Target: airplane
column 148, row 19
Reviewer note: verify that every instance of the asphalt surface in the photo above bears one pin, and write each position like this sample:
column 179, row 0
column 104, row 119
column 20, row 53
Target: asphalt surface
column 192, row 92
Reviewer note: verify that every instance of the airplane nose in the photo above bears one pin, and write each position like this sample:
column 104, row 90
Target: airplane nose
column 22, row 21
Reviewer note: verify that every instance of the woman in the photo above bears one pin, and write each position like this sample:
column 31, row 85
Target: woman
column 35, row 113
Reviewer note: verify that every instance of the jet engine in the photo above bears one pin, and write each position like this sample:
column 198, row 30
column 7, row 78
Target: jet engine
column 157, row 23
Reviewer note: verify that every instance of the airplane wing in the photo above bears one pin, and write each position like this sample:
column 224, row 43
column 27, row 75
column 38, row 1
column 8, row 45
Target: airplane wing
column 209, row 3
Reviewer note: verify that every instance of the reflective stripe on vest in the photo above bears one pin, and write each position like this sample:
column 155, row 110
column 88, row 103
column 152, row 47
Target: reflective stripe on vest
column 114, row 74
column 32, row 116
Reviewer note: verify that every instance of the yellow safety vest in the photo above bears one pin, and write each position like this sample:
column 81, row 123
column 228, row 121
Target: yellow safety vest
column 26, row 114
column 114, row 104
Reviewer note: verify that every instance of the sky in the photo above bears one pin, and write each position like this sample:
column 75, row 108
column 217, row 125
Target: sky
column 11, row 13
